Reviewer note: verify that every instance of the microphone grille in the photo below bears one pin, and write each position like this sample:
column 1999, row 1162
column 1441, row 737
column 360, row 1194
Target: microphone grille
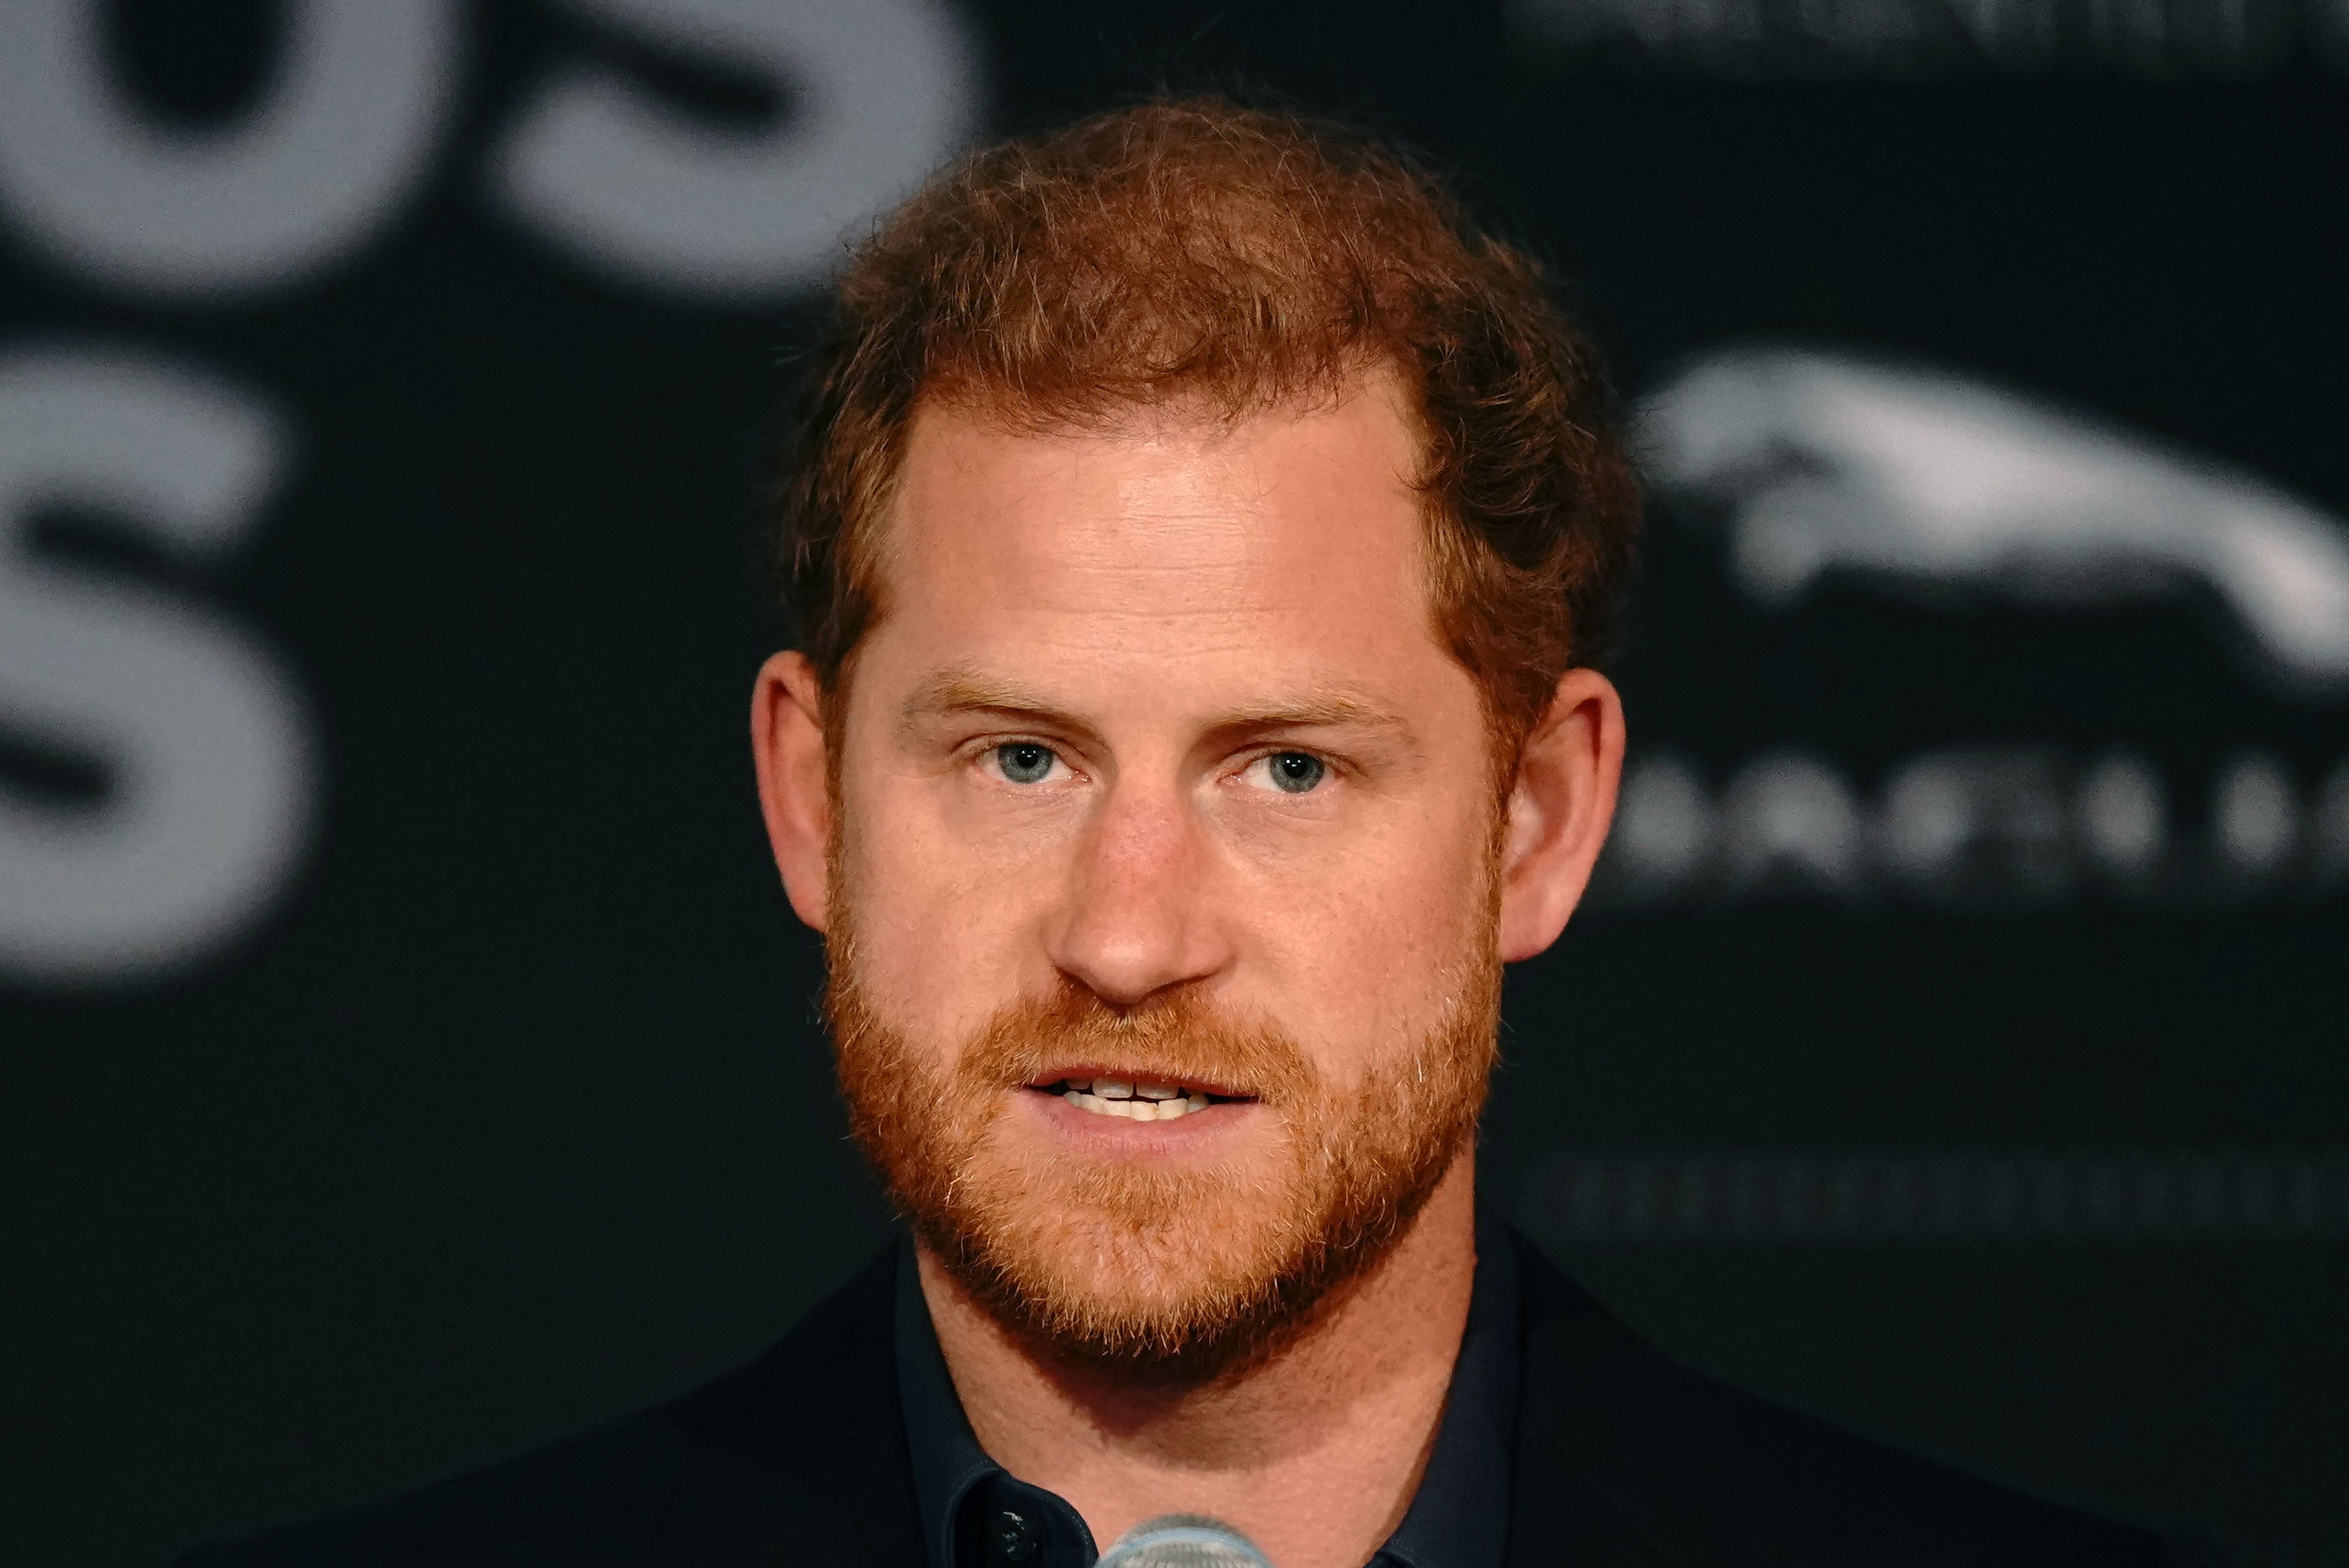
column 1183, row 1540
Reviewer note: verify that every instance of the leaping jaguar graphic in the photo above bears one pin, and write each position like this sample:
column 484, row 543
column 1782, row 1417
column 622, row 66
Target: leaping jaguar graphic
column 1834, row 465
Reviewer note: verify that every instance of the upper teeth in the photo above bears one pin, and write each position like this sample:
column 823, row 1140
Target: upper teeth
column 1144, row 1101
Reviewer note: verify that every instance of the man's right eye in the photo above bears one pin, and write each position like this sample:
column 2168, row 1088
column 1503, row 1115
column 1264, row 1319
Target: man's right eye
column 1024, row 762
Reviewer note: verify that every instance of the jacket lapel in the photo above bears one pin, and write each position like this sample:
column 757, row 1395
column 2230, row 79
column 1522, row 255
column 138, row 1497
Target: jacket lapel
column 799, row 1459
column 1562, row 1512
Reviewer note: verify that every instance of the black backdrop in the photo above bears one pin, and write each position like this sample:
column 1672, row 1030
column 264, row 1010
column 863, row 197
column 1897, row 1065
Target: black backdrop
column 407, row 1052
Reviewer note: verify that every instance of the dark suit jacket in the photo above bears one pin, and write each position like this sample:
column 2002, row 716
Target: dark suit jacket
column 1624, row 1460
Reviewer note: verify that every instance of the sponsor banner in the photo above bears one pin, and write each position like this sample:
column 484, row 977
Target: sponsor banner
column 1989, row 827
column 1807, row 468
column 401, row 1014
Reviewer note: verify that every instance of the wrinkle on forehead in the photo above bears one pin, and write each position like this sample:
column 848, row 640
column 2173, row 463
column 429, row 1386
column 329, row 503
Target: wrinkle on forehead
column 1217, row 488
column 1218, row 433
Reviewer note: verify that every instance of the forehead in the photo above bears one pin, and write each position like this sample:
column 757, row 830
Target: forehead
column 1291, row 538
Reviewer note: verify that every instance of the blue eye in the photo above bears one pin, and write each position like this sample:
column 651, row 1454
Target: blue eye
column 1024, row 762
column 1294, row 772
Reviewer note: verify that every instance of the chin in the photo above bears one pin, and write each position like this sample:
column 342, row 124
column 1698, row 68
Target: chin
column 1182, row 1274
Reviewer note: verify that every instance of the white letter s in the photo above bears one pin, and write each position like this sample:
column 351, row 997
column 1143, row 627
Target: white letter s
column 200, row 731
column 883, row 91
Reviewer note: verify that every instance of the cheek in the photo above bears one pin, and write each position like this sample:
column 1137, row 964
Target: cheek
column 1365, row 951
column 945, row 918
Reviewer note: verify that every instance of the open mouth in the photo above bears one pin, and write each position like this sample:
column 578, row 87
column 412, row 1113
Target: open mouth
column 1136, row 1099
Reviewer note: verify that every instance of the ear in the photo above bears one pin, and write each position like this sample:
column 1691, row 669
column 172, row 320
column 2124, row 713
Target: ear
column 787, row 739
column 1559, row 810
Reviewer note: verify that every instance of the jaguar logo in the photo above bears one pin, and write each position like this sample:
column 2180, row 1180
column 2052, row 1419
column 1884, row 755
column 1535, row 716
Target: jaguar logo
column 1827, row 464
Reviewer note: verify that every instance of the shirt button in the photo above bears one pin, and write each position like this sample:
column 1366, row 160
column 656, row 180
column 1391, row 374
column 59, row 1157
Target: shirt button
column 1014, row 1538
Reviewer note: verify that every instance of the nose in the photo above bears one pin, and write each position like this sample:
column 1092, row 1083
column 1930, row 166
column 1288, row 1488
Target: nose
column 1139, row 916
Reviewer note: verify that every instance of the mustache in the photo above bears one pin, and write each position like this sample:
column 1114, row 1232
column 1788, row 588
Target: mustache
column 1183, row 1037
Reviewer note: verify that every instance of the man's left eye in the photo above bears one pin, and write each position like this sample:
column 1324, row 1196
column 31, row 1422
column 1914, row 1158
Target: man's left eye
column 1024, row 762
column 1294, row 773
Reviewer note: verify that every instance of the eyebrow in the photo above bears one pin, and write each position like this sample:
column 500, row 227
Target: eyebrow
column 960, row 690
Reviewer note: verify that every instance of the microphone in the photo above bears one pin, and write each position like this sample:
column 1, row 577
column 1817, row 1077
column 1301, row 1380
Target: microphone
column 1183, row 1540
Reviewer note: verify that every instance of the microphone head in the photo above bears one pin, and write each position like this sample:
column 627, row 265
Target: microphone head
column 1183, row 1540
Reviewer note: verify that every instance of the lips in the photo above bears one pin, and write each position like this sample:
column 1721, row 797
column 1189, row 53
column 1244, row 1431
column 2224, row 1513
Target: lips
column 1134, row 1098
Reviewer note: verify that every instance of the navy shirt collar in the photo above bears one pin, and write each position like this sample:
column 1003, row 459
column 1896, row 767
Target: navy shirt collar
column 1459, row 1518
column 974, row 1515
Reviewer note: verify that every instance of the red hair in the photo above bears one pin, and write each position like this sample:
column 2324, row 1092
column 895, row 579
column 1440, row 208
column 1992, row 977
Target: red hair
column 1194, row 251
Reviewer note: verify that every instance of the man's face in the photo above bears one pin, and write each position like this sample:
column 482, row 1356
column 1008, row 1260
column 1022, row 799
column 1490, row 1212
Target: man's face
column 1154, row 780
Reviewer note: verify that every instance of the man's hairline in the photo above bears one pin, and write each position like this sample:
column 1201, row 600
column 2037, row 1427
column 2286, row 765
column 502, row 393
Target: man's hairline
column 1362, row 374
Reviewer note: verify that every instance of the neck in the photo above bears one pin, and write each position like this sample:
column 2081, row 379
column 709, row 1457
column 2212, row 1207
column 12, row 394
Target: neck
column 1313, row 1452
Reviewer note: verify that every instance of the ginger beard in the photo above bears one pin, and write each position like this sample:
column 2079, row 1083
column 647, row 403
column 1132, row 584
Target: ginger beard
column 1187, row 1271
